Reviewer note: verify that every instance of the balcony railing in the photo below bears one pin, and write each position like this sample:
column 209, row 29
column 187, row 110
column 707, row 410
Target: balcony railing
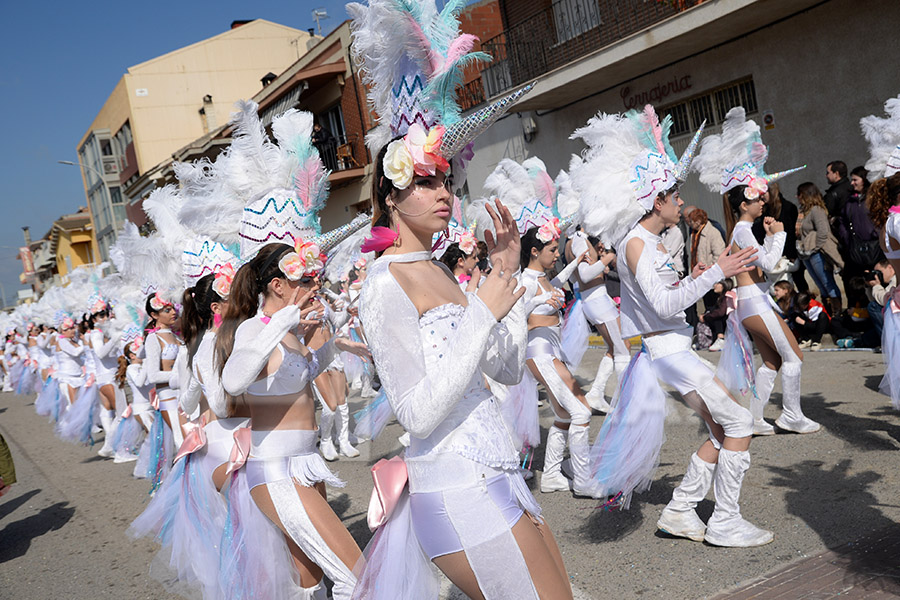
column 341, row 153
column 565, row 32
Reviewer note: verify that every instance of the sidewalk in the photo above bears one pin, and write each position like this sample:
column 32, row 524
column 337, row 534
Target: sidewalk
column 866, row 568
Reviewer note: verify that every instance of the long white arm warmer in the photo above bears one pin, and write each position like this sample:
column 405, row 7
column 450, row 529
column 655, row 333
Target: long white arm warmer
column 254, row 342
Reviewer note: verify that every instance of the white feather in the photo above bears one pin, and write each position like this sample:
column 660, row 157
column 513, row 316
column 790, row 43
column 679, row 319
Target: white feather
column 883, row 135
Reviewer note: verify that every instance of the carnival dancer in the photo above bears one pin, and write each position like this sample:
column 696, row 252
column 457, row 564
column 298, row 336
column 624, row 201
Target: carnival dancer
column 280, row 533
column 630, row 154
column 331, row 385
column 45, row 341
column 883, row 135
column 467, row 509
column 600, row 311
column 70, row 352
column 130, row 432
column 105, row 350
column 731, row 164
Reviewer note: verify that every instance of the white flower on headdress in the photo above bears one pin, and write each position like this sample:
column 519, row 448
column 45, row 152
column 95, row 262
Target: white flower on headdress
column 361, row 263
column 467, row 242
column 549, row 231
column 756, row 188
column 398, row 165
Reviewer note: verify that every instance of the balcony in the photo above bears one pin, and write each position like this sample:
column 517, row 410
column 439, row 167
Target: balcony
column 343, row 156
column 566, row 31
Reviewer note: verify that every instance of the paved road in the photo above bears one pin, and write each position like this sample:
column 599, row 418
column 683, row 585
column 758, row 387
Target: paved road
column 62, row 527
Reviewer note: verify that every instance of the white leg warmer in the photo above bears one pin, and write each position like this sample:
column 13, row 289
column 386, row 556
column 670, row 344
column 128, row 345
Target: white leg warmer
column 595, row 395
column 579, row 413
column 792, row 417
column 580, row 455
column 343, row 419
column 326, row 424
column 552, row 479
column 679, row 518
column 726, row 527
column 298, row 525
column 765, row 381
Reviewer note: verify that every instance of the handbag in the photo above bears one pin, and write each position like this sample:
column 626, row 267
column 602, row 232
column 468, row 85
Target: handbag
column 863, row 253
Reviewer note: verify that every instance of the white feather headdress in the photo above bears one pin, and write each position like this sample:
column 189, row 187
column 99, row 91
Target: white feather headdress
column 883, row 135
column 736, row 157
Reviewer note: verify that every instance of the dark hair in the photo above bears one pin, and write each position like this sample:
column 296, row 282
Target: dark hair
column 773, row 206
column 529, row 241
column 452, row 255
column 883, row 194
column 863, row 174
column 732, row 200
column 196, row 314
column 839, row 167
column 382, row 187
column 804, row 298
column 151, row 323
column 250, row 281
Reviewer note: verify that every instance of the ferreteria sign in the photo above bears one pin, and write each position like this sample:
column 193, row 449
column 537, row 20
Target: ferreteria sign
column 656, row 94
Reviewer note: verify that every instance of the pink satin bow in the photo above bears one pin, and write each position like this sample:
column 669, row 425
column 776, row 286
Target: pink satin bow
column 127, row 412
column 154, row 399
column 390, row 478
column 240, row 451
column 194, row 438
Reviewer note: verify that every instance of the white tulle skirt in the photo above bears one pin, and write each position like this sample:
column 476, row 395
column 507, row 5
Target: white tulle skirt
column 127, row 438
column 187, row 517
column 76, row 423
column 736, row 369
column 47, row 402
column 370, row 421
column 890, row 347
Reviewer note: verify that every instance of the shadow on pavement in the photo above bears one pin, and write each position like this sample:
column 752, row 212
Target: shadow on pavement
column 849, row 511
column 863, row 432
column 10, row 505
column 15, row 538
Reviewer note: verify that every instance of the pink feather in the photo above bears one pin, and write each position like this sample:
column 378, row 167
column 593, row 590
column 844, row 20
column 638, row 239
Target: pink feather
column 545, row 188
column 380, row 239
column 758, row 153
column 434, row 58
column 653, row 123
column 307, row 178
column 458, row 49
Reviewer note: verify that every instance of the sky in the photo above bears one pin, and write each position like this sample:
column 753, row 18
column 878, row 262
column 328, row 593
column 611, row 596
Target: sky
column 59, row 61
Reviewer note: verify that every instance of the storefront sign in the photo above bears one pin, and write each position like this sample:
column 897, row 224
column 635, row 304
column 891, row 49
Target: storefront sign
column 656, row 94
column 27, row 261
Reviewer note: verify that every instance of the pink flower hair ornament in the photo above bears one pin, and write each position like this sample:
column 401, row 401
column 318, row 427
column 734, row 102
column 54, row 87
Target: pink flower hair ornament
column 223, row 280
column 307, row 259
column 417, row 153
column 361, row 263
column 549, row 231
column 468, row 242
column 157, row 303
column 756, row 188
column 67, row 323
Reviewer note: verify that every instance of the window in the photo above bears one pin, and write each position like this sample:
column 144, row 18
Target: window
column 333, row 120
column 711, row 106
column 121, row 141
column 574, row 17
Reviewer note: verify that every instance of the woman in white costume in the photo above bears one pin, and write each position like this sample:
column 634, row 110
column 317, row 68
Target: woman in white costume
column 632, row 156
column 70, row 352
column 600, row 310
column 731, row 163
column 467, row 509
column 106, row 349
column 883, row 200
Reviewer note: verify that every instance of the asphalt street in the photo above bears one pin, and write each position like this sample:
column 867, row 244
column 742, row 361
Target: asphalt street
column 62, row 527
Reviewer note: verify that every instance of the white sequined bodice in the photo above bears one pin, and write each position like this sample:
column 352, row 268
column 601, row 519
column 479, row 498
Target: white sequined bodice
column 474, row 428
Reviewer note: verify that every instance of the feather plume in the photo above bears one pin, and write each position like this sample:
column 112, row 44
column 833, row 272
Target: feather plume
column 883, row 136
column 727, row 150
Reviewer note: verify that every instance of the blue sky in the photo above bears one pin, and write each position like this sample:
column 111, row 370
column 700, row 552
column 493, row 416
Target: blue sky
column 60, row 61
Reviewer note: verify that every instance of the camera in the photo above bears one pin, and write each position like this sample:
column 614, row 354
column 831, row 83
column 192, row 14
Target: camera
column 873, row 276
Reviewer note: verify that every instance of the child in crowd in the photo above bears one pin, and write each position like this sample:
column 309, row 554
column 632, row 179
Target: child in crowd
column 716, row 315
column 811, row 322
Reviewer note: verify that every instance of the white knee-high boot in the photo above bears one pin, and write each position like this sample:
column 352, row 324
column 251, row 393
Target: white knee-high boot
column 595, row 396
column 765, row 381
column 726, row 527
column 580, row 455
column 792, row 417
column 106, row 420
column 679, row 518
column 343, row 419
column 552, row 478
column 326, row 424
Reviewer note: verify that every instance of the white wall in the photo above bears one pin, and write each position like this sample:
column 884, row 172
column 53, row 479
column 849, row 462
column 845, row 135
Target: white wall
column 819, row 72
